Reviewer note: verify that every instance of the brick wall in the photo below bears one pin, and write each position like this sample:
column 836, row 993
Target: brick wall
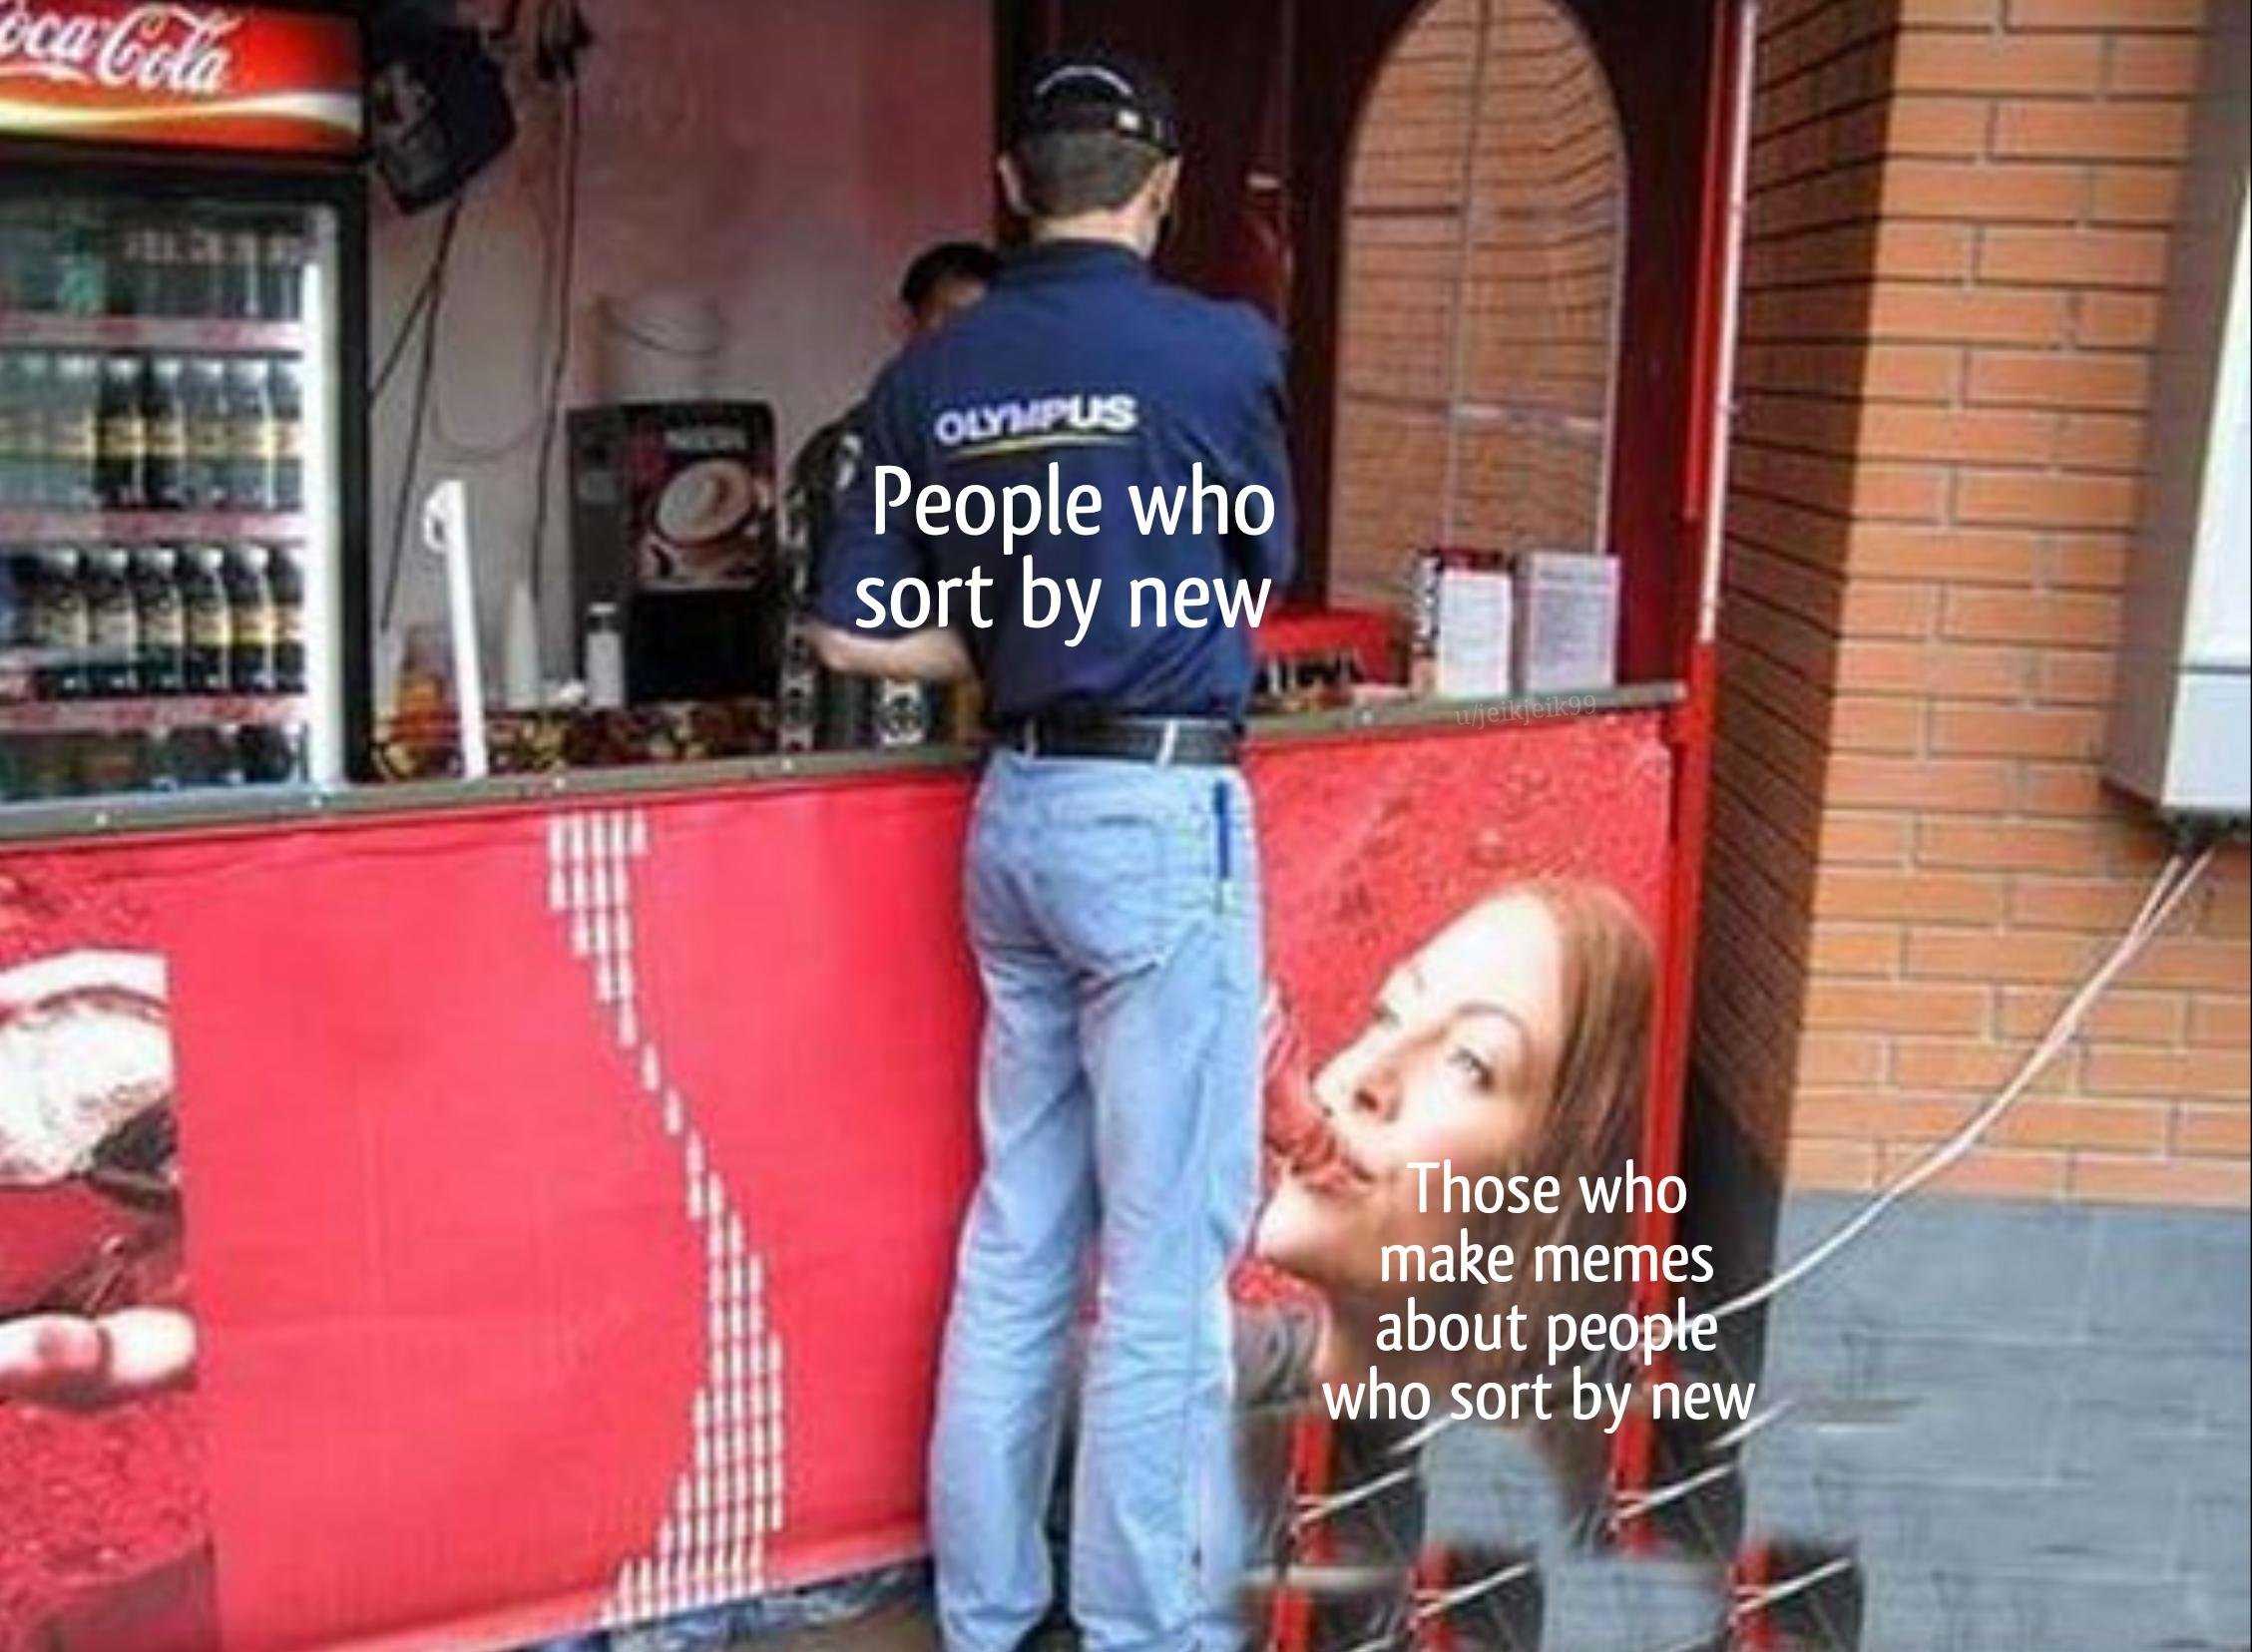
column 1957, row 236
column 1482, row 237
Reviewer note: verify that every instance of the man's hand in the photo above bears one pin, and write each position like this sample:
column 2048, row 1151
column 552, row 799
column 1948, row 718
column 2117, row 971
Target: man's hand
column 72, row 1363
column 935, row 655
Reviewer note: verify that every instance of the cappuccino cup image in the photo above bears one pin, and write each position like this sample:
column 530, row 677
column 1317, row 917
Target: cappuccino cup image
column 705, row 501
column 698, row 526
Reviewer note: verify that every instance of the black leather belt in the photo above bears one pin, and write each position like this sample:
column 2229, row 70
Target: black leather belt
column 1199, row 741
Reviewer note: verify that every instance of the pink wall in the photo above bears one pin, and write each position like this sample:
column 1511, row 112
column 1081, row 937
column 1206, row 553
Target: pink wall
column 783, row 157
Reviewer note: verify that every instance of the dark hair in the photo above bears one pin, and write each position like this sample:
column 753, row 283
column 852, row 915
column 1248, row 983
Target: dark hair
column 947, row 262
column 1069, row 172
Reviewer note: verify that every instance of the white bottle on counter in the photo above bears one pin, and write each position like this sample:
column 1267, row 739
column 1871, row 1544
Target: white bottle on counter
column 520, row 651
column 605, row 657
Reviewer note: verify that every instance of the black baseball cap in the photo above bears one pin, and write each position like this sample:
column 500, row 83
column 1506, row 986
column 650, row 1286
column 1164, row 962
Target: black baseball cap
column 1098, row 91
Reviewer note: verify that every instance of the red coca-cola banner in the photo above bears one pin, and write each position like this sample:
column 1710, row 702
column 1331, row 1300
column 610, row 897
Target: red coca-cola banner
column 450, row 1230
column 181, row 75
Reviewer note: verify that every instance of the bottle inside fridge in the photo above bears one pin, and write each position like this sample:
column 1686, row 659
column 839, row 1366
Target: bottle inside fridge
column 169, row 495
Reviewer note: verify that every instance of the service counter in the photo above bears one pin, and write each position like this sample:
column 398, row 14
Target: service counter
column 259, row 808
column 570, row 1168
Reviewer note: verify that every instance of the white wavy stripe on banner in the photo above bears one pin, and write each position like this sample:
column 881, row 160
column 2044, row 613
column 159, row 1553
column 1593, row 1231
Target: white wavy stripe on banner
column 729, row 1498
column 339, row 111
column 55, row 71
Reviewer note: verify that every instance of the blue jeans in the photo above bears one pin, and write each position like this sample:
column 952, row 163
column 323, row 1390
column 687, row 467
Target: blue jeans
column 1115, row 911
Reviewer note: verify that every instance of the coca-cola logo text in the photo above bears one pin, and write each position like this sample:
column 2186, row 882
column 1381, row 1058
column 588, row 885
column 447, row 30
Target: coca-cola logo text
column 163, row 50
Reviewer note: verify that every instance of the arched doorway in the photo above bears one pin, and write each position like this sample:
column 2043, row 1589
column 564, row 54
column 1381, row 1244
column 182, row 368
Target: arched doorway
column 1484, row 244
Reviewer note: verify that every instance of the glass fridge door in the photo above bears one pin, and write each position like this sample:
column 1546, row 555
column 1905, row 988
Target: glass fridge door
column 170, row 512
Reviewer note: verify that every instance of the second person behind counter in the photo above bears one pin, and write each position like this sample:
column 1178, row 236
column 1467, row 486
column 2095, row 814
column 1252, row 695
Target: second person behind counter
column 941, row 282
column 839, row 709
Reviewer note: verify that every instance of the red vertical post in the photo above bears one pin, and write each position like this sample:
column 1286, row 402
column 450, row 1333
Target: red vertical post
column 1690, row 728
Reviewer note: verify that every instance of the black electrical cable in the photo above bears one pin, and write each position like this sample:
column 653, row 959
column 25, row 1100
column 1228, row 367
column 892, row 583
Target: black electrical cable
column 425, row 372
column 562, row 362
column 397, row 353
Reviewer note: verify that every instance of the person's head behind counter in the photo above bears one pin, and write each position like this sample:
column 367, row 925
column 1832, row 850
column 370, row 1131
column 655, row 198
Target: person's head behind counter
column 943, row 282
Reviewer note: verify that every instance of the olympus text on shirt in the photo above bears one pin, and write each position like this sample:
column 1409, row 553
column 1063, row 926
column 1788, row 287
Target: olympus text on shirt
column 1025, row 426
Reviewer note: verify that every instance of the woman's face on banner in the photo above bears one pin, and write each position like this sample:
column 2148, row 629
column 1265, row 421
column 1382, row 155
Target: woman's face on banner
column 1457, row 1062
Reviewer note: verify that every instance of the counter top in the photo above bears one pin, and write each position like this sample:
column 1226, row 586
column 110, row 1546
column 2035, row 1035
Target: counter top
column 257, row 807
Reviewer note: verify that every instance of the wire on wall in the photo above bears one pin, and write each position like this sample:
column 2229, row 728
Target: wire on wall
column 551, row 416
column 428, row 307
column 2181, row 873
column 424, row 295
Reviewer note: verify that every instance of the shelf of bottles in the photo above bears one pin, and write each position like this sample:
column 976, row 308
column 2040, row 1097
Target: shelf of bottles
column 152, row 496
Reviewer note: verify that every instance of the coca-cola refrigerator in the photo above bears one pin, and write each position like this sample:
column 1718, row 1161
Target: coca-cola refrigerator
column 182, row 427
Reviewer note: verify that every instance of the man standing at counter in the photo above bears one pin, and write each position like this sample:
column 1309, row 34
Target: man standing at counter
column 1111, row 886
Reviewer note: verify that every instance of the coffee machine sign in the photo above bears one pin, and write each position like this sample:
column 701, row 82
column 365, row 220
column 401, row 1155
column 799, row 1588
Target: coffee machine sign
column 152, row 72
column 708, row 439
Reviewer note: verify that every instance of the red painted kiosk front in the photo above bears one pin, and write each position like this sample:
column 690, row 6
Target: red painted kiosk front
column 545, row 1189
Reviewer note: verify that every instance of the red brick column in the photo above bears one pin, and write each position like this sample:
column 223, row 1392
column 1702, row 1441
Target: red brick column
column 1957, row 235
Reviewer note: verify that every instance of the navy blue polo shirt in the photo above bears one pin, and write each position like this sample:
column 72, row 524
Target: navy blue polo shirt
column 1079, row 358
